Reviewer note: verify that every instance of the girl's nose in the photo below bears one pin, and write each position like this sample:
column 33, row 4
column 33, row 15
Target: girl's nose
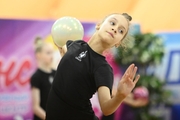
column 114, row 30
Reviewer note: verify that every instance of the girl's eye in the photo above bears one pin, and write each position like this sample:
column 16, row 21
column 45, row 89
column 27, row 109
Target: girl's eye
column 49, row 52
column 121, row 31
column 112, row 23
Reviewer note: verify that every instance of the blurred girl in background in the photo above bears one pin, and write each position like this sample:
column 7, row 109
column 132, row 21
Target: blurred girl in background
column 42, row 78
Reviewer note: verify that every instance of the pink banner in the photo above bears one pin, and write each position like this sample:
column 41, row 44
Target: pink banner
column 17, row 63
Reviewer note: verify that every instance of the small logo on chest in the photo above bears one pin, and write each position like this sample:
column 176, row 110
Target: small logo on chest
column 51, row 79
column 81, row 55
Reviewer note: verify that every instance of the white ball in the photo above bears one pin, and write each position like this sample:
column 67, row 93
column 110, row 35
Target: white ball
column 66, row 28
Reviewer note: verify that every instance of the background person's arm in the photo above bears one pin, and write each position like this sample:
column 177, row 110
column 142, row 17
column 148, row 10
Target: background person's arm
column 135, row 102
column 129, row 100
column 38, row 111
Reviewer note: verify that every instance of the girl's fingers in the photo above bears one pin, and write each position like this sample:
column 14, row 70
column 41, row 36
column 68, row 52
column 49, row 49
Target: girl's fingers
column 136, row 79
column 133, row 72
column 129, row 69
column 124, row 77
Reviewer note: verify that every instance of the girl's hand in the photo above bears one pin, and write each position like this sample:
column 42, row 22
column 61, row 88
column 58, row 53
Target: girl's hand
column 62, row 49
column 128, row 81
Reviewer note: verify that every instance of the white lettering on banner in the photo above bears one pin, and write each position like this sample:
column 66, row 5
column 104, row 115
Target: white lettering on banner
column 7, row 110
column 15, row 97
column 15, row 94
column 14, row 102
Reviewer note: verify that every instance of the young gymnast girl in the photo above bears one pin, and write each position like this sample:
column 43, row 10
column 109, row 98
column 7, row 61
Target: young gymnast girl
column 83, row 71
column 42, row 78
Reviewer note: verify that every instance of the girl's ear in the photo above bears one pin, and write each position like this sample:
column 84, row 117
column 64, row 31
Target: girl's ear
column 38, row 55
column 117, row 45
column 98, row 26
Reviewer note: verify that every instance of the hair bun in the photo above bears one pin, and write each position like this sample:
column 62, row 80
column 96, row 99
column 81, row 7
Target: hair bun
column 127, row 16
column 37, row 40
column 38, row 43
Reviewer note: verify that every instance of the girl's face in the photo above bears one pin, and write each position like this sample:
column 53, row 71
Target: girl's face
column 113, row 30
column 46, row 54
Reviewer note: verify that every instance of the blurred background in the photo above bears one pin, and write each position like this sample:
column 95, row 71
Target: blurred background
column 156, row 29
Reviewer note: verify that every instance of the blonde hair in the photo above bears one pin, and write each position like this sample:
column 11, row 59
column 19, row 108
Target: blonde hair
column 38, row 44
